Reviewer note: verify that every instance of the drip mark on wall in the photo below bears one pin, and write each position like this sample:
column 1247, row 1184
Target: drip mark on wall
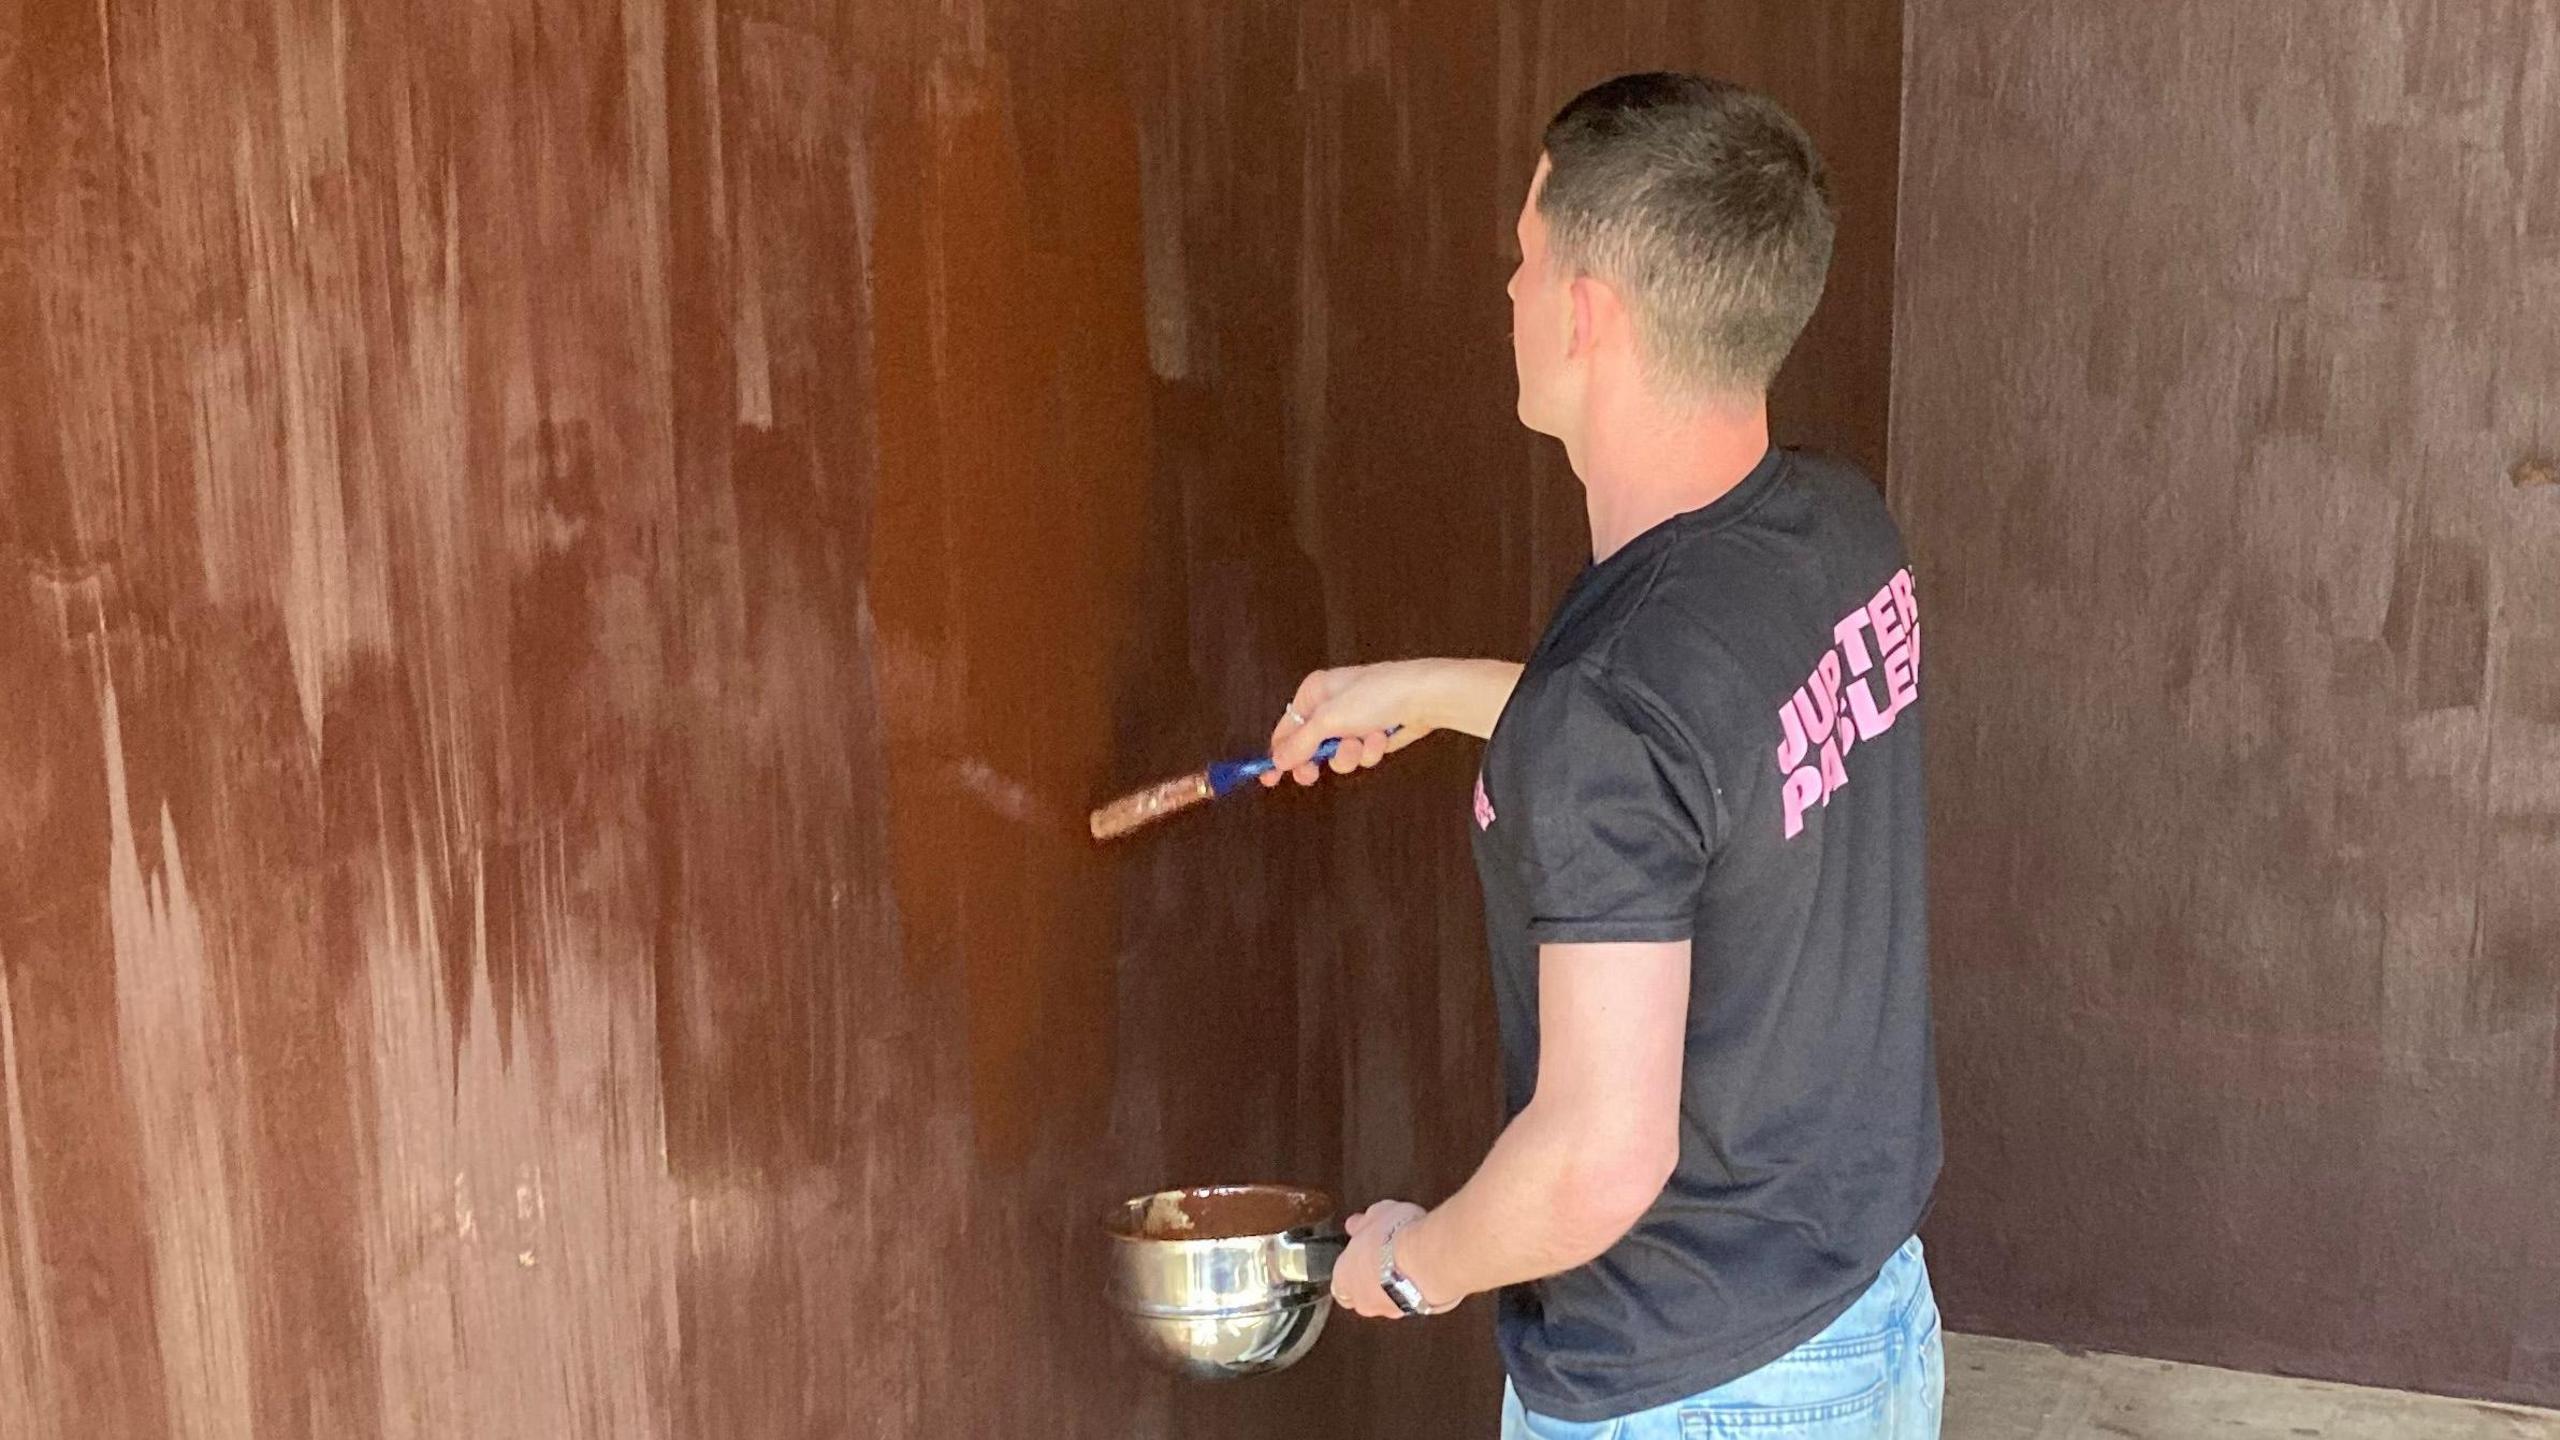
column 26, row 1306
column 181, row 1079
column 520, row 1226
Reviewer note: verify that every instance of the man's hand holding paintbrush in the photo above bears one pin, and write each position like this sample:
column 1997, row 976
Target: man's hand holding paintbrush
column 1376, row 710
column 1349, row 719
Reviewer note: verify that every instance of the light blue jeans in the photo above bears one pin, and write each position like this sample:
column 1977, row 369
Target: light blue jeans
column 1879, row 1373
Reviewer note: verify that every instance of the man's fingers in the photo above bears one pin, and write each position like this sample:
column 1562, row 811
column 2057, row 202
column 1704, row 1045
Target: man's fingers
column 1293, row 744
column 1312, row 692
column 1308, row 723
column 1295, row 736
column 1284, row 735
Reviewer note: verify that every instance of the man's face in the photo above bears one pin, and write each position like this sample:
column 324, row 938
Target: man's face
column 1542, row 338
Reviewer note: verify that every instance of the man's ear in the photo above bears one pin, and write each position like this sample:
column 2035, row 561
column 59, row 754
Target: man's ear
column 1595, row 308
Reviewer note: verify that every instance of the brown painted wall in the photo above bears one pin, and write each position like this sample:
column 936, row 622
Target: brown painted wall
column 567, row 573
column 2221, row 329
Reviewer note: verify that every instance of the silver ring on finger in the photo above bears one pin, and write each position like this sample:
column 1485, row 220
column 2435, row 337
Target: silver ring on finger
column 1291, row 710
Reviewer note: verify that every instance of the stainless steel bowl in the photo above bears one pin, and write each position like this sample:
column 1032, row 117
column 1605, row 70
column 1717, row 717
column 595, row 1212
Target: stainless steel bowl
column 1225, row 1281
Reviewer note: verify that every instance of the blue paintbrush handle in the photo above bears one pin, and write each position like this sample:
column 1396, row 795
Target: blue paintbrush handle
column 1226, row 775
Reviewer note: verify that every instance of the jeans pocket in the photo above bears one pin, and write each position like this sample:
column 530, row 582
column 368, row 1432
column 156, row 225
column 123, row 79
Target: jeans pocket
column 1536, row 1427
column 1519, row 1424
column 1933, row 1378
column 1825, row 1391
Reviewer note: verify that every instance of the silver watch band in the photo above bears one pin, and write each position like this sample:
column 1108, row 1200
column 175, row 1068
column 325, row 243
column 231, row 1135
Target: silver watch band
column 1399, row 1286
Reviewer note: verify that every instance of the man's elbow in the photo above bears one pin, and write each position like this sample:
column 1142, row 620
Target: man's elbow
column 1615, row 1181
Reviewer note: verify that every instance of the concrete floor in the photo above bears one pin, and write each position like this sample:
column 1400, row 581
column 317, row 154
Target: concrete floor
column 2009, row 1390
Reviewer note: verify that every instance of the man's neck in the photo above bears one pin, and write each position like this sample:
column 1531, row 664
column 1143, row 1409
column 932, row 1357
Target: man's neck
column 1647, row 468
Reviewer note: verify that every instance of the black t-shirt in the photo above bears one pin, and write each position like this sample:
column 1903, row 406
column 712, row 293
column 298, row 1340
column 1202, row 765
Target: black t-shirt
column 1718, row 740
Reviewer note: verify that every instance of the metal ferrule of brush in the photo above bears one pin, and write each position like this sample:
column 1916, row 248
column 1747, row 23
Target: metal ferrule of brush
column 1139, row 807
column 1142, row 807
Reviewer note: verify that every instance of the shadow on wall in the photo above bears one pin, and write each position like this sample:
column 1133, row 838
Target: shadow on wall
column 2249, row 956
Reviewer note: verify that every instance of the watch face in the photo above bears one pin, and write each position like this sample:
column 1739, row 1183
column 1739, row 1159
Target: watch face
column 1401, row 1291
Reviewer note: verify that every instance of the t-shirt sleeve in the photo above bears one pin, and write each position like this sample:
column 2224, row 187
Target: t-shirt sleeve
column 1617, row 839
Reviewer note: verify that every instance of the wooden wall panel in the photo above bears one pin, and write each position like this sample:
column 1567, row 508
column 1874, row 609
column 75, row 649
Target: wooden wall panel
column 2222, row 332
column 568, row 571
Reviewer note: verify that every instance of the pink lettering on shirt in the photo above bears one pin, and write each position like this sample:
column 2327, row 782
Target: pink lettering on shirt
column 1902, row 597
column 1902, row 672
column 1792, row 742
column 1830, row 713
column 1872, row 722
column 1846, row 632
column 1818, row 703
column 1884, row 616
column 1804, row 787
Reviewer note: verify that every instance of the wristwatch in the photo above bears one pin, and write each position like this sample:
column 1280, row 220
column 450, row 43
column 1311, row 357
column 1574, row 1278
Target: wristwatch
column 1400, row 1287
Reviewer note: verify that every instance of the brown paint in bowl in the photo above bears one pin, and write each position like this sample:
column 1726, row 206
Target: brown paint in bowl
column 1220, row 1212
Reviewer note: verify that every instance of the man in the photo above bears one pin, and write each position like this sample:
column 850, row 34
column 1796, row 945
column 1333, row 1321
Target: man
column 1698, row 824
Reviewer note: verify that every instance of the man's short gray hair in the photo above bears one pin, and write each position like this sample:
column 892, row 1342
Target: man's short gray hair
column 1707, row 208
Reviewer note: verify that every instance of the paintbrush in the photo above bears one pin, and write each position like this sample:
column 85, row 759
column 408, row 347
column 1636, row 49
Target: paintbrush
column 1140, row 808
